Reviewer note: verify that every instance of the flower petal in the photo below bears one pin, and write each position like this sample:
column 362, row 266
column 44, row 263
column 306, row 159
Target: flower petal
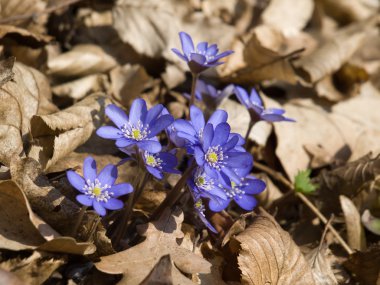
column 246, row 202
column 117, row 115
column 187, row 43
column 138, row 111
column 85, row 200
column 108, row 132
column 121, row 189
column 155, row 172
column 221, row 134
column 75, row 180
column 198, row 58
column 150, row 146
column 255, row 98
column 89, row 169
column 197, row 118
column 242, row 96
column 239, row 159
column 202, row 47
column 219, row 116
column 217, row 204
column 108, row 175
column 153, row 113
column 123, row 142
column 199, row 156
column 113, row 204
column 99, row 208
column 179, row 54
column 212, row 50
column 208, row 135
column 253, row 186
column 182, row 125
column 160, row 124
column 221, row 55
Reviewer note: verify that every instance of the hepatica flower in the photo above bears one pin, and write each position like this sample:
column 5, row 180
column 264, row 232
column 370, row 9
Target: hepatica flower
column 158, row 163
column 200, row 58
column 256, row 109
column 200, row 209
column 98, row 190
column 139, row 129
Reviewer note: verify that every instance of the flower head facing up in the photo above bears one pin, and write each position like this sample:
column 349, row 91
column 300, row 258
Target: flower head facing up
column 139, row 129
column 158, row 163
column 200, row 58
column 98, row 190
column 255, row 106
column 242, row 193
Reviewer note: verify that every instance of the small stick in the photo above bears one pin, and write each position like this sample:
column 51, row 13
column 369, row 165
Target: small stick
column 279, row 177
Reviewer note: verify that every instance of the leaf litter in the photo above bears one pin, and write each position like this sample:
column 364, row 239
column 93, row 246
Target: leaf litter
column 63, row 63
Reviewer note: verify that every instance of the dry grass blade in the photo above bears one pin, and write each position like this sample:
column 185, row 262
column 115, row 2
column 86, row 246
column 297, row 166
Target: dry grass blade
column 268, row 255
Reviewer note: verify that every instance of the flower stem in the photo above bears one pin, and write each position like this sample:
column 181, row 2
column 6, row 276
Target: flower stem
column 174, row 194
column 251, row 123
column 193, row 88
column 74, row 232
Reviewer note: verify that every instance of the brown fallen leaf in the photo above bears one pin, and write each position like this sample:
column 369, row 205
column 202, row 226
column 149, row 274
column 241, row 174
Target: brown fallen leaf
column 6, row 72
column 128, row 81
column 136, row 263
column 9, row 278
column 321, row 266
column 82, row 60
column 33, row 270
column 268, row 255
column 355, row 232
column 365, row 266
column 9, row 34
column 161, row 272
column 288, row 16
column 57, row 135
column 24, row 96
column 335, row 52
column 349, row 126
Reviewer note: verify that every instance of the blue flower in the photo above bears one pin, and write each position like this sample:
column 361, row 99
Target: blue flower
column 98, row 190
column 201, row 58
column 206, row 186
column 160, row 162
column 192, row 130
column 210, row 95
column 216, row 153
column 140, row 129
column 200, row 209
column 242, row 193
column 254, row 104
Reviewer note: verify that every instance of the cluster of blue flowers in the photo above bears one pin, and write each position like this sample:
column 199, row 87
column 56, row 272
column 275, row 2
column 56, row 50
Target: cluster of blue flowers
column 221, row 165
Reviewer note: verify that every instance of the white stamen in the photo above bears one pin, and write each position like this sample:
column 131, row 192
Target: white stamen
column 97, row 191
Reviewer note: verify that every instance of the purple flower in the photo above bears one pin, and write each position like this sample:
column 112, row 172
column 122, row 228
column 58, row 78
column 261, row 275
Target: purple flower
column 216, row 153
column 139, row 129
column 254, row 104
column 200, row 209
column 201, row 58
column 206, row 186
column 160, row 162
column 210, row 95
column 192, row 130
column 242, row 193
column 98, row 190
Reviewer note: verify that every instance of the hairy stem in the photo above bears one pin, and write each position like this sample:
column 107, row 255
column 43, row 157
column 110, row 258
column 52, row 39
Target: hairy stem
column 74, row 232
column 193, row 88
column 279, row 177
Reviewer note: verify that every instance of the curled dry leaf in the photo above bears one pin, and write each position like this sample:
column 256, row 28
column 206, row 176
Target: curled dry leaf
column 137, row 262
column 22, row 37
column 58, row 134
column 82, row 60
column 261, row 58
column 268, row 255
column 6, row 72
column 321, row 266
column 288, row 16
column 24, row 96
column 334, row 53
column 355, row 231
column 127, row 82
column 12, row 9
column 349, row 125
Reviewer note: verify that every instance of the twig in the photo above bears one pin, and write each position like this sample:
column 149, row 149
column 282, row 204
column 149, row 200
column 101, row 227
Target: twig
column 34, row 14
column 279, row 177
column 74, row 232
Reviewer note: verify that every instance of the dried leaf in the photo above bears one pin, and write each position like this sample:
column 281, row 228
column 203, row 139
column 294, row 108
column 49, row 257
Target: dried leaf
column 288, row 16
column 365, row 266
column 21, row 99
column 136, row 263
column 9, row 278
column 6, row 72
column 22, row 37
column 57, row 135
column 335, row 52
column 355, row 231
column 268, row 255
column 161, row 272
column 321, row 266
column 82, row 60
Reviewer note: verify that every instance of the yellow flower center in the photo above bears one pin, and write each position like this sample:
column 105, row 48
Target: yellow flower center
column 136, row 134
column 97, row 191
column 150, row 160
column 233, row 184
column 201, row 180
column 198, row 204
column 212, row 157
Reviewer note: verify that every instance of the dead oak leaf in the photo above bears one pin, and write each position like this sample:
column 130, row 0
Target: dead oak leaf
column 22, row 37
column 161, row 239
column 268, row 255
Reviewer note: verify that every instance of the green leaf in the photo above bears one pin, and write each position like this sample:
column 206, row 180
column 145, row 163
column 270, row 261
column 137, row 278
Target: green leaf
column 303, row 184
